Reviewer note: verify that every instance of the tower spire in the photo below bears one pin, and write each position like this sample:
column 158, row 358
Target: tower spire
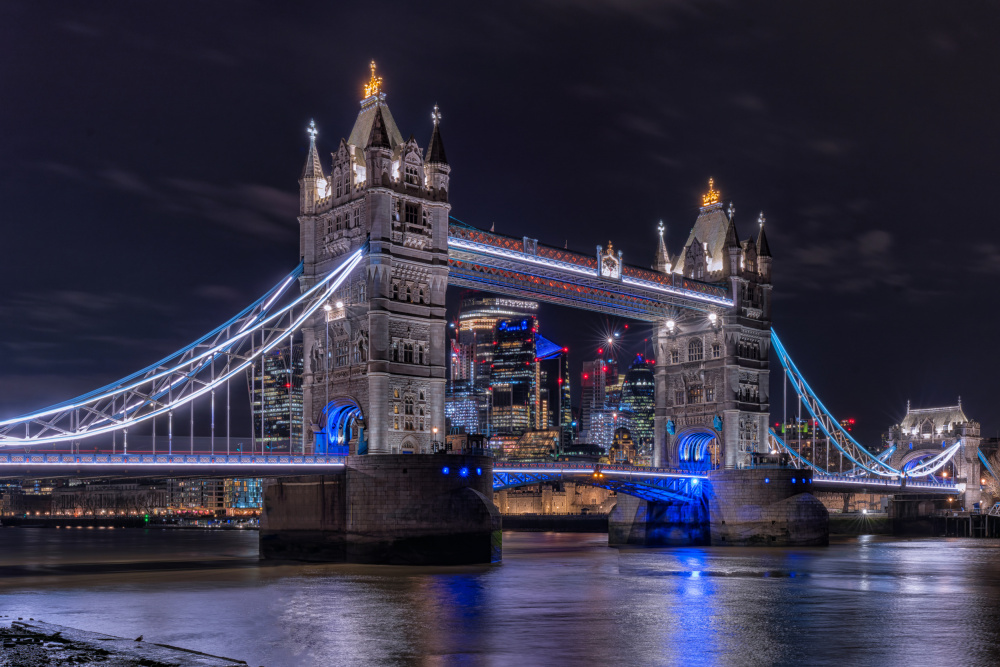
column 710, row 198
column 663, row 263
column 763, row 250
column 435, row 150
column 313, row 167
column 374, row 86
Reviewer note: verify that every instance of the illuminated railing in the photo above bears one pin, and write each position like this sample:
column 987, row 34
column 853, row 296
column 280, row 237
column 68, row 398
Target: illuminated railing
column 106, row 459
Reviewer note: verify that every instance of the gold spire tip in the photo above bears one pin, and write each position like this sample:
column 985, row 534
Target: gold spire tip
column 374, row 85
column 712, row 196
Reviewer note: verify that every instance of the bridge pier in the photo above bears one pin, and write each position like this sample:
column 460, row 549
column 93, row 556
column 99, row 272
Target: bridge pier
column 748, row 507
column 406, row 509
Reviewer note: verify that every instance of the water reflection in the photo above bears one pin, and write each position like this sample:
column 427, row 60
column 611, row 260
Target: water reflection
column 556, row 599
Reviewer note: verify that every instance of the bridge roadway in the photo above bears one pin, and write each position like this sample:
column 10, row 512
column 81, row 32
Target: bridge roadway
column 649, row 483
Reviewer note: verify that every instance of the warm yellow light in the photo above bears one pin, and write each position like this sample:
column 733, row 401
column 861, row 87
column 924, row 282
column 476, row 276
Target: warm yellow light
column 374, row 86
column 712, row 196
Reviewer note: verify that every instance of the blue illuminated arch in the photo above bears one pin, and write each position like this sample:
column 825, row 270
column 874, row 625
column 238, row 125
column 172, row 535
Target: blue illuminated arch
column 341, row 421
column 695, row 447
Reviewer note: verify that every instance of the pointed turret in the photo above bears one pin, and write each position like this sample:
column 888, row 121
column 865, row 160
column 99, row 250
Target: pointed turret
column 763, row 250
column 436, row 163
column 435, row 150
column 763, row 253
column 313, row 183
column 663, row 263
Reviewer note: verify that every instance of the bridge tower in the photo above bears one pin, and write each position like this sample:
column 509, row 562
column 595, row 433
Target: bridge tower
column 712, row 372
column 375, row 355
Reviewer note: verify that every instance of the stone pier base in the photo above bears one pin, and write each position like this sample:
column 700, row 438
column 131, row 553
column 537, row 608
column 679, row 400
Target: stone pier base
column 406, row 509
column 645, row 522
column 765, row 507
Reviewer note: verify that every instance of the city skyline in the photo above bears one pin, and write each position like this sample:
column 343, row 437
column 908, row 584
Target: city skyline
column 857, row 249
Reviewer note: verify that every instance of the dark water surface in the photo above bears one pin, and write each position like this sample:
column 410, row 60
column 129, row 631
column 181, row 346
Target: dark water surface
column 557, row 599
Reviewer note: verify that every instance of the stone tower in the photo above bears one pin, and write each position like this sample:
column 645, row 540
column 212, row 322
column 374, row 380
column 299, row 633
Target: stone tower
column 374, row 375
column 712, row 367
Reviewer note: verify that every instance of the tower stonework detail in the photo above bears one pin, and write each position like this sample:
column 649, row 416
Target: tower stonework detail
column 379, row 344
column 712, row 371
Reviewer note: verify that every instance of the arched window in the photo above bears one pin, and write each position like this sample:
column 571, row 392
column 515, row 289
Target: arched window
column 395, row 356
column 926, row 428
column 716, row 350
column 395, row 290
column 675, row 357
column 420, row 354
column 406, row 293
column 695, row 350
column 347, row 183
column 408, row 354
column 420, row 295
column 340, row 183
column 408, row 405
column 340, row 223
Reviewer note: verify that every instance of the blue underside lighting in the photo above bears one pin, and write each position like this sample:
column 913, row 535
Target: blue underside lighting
column 693, row 450
column 793, row 480
column 767, row 480
column 464, row 472
column 445, row 470
column 479, row 471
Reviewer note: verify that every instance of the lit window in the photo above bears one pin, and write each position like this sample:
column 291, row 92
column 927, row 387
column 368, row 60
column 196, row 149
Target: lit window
column 709, row 394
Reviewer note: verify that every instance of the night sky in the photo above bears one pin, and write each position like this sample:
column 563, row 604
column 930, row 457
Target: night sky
column 149, row 157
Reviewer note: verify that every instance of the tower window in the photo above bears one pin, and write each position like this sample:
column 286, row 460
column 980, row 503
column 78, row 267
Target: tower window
column 716, row 350
column 408, row 405
column 357, row 217
column 679, row 397
column 395, row 290
column 412, row 177
column 408, row 356
column 694, row 395
column 675, row 356
column 695, row 350
column 709, row 394
column 412, row 213
column 340, row 223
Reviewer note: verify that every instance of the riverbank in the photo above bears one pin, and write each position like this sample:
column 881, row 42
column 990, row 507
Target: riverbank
column 33, row 643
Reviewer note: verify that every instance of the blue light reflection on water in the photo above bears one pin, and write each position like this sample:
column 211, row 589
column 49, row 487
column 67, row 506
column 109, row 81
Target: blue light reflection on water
column 556, row 599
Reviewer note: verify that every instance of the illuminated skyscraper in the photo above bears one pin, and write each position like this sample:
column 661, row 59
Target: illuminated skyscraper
column 514, row 376
column 277, row 427
column 638, row 405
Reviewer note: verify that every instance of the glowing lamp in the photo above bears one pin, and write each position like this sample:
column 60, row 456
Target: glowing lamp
column 340, row 304
column 445, row 470
column 327, row 307
column 712, row 317
column 670, row 325
column 464, row 472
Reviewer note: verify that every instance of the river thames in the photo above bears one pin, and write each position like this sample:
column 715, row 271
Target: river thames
column 556, row 599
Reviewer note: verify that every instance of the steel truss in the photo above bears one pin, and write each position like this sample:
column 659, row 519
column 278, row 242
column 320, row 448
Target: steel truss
column 648, row 484
column 865, row 462
column 197, row 370
column 528, row 269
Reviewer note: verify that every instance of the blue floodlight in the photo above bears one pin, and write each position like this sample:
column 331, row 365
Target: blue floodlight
column 793, row 480
column 695, row 481
column 464, row 472
column 767, row 480
column 479, row 471
column 445, row 470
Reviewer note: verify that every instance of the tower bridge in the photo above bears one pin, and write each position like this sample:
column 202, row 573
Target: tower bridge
column 378, row 248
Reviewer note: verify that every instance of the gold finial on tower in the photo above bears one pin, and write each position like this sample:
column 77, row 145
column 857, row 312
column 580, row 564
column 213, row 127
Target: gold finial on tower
column 712, row 196
column 374, row 86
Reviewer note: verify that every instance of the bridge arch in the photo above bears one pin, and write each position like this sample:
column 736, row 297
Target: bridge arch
column 914, row 458
column 697, row 448
column 342, row 420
